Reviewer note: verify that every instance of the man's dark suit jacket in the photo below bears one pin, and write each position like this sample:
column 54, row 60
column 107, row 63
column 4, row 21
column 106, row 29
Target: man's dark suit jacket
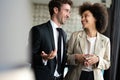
column 42, row 39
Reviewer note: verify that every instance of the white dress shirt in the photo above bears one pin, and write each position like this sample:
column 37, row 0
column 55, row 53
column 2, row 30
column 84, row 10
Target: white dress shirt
column 55, row 33
column 89, row 50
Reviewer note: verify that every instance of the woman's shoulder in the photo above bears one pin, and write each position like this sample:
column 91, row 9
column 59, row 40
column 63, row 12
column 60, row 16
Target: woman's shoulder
column 104, row 37
column 78, row 32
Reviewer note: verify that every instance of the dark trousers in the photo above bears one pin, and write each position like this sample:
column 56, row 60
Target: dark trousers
column 58, row 78
column 86, row 75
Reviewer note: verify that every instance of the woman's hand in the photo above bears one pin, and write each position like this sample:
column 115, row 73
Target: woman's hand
column 90, row 59
column 79, row 58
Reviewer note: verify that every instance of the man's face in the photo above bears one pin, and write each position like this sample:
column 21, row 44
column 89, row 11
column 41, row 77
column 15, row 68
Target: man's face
column 63, row 14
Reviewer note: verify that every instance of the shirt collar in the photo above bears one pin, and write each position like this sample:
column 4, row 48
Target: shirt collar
column 54, row 25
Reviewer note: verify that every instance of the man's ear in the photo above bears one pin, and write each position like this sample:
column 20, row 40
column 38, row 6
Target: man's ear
column 55, row 10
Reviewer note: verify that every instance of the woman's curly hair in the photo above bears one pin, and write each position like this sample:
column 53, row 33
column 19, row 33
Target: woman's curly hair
column 100, row 13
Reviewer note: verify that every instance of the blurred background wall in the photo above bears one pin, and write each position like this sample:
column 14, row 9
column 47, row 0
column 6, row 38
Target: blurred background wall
column 15, row 22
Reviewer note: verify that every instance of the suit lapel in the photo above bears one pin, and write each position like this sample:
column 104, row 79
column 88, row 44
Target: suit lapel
column 51, row 34
column 64, row 46
column 53, row 46
column 64, row 43
column 53, row 61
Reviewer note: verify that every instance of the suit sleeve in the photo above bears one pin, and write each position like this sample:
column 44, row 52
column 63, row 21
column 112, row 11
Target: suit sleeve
column 35, row 45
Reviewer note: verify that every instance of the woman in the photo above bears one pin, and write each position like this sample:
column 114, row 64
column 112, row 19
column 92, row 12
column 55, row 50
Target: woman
column 89, row 50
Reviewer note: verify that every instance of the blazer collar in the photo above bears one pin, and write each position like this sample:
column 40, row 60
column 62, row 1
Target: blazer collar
column 82, row 37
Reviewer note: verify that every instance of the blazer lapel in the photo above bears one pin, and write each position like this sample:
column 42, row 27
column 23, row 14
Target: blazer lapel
column 98, row 44
column 82, row 41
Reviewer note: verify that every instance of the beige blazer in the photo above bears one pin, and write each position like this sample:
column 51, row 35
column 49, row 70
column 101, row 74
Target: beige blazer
column 77, row 43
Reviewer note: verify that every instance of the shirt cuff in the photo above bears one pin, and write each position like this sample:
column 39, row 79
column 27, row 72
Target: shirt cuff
column 44, row 61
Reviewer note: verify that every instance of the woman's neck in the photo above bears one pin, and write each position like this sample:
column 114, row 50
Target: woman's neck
column 91, row 33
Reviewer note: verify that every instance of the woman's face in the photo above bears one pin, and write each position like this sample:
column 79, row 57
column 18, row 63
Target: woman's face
column 88, row 20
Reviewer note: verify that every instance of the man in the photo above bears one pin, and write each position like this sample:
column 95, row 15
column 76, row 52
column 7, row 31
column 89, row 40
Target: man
column 46, row 62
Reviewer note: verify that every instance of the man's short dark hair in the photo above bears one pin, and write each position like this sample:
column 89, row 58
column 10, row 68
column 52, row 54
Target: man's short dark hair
column 58, row 4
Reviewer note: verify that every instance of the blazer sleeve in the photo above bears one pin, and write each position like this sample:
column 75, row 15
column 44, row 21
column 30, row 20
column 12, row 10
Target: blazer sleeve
column 104, row 62
column 70, row 49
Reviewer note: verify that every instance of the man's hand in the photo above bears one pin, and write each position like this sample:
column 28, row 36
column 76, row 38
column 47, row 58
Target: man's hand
column 51, row 55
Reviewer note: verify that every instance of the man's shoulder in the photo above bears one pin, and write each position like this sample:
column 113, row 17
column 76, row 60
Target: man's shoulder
column 41, row 26
column 80, row 32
